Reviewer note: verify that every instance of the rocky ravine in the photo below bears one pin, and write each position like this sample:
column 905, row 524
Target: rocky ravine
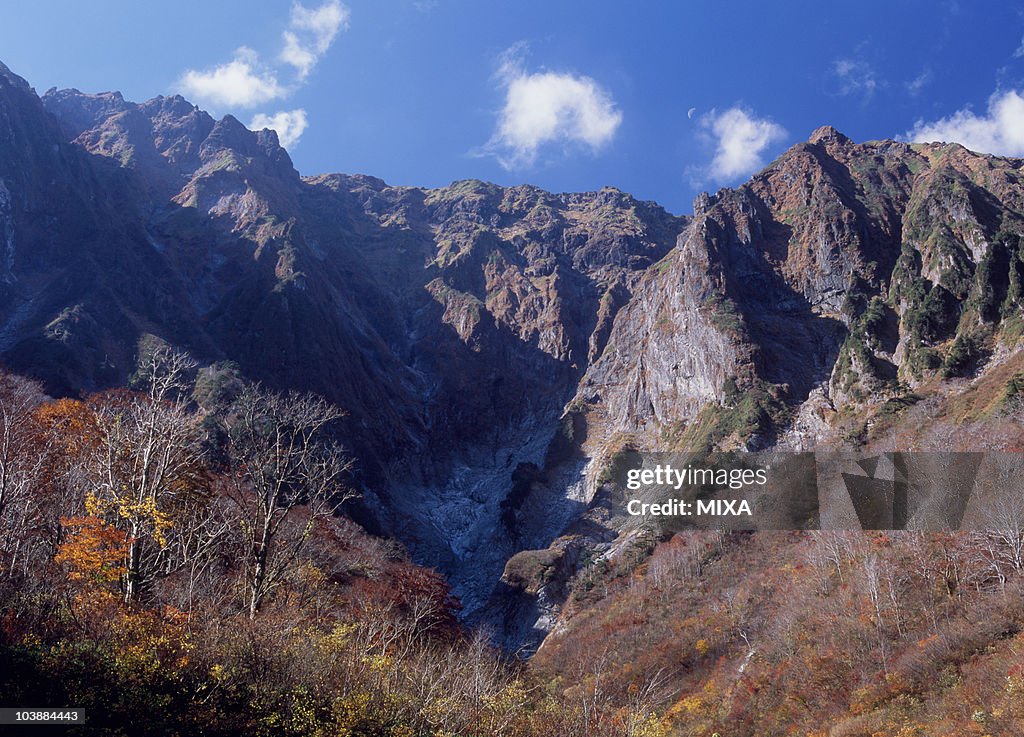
column 495, row 347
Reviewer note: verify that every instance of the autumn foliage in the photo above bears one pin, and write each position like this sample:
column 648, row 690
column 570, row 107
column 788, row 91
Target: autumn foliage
column 837, row 634
column 176, row 564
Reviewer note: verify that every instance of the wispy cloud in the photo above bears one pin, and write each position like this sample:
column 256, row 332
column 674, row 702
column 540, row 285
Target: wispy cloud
column 288, row 124
column 547, row 107
column 919, row 82
column 247, row 81
column 310, row 33
column 741, row 140
column 856, row 77
column 999, row 131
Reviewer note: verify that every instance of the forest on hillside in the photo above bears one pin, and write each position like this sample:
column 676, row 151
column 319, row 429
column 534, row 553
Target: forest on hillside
column 176, row 560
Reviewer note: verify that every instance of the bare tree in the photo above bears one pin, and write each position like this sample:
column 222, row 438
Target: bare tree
column 164, row 373
column 286, row 475
column 645, row 701
column 22, row 463
column 592, row 674
column 873, row 575
column 146, row 467
column 1001, row 543
column 832, row 548
column 202, row 525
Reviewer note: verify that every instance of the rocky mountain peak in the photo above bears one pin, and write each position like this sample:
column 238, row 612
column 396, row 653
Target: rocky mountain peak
column 260, row 148
column 172, row 105
column 78, row 112
column 230, row 133
column 13, row 79
column 827, row 134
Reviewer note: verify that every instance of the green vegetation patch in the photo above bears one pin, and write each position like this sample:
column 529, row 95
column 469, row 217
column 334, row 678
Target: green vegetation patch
column 529, row 570
column 759, row 410
column 725, row 315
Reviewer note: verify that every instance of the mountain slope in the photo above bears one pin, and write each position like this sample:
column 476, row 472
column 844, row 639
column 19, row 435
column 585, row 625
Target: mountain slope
column 850, row 295
column 853, row 271
column 495, row 347
column 451, row 324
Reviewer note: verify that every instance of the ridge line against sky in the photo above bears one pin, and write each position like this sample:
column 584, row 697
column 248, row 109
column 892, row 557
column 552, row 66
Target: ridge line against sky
column 659, row 101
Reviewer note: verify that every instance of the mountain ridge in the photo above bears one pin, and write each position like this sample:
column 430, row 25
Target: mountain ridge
column 496, row 347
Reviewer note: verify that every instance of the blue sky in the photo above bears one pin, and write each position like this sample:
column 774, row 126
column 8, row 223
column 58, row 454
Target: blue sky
column 662, row 100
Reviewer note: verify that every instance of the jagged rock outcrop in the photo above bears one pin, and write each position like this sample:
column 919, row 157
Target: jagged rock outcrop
column 844, row 269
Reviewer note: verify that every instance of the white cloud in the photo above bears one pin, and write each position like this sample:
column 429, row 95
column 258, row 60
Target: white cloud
column 741, row 139
column 999, row 131
column 919, row 82
column 549, row 107
column 1019, row 53
column 241, row 82
column 310, row 33
column 856, row 77
column 247, row 82
column 289, row 125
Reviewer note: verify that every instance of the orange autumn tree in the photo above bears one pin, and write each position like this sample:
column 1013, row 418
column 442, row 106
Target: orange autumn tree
column 93, row 552
column 70, row 426
column 68, row 432
column 145, row 473
column 145, row 640
column 93, row 555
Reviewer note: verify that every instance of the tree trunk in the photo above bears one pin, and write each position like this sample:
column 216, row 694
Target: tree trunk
column 131, row 583
column 259, row 575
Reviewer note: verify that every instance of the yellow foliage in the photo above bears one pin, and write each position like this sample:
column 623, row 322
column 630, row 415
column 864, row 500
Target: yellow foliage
column 512, row 696
column 643, row 724
column 379, row 663
column 330, row 642
column 351, row 709
column 692, row 704
column 144, row 512
column 439, row 708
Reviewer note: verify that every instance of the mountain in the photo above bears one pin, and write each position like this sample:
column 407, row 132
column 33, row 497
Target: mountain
column 451, row 324
column 496, row 347
column 850, row 296
column 841, row 275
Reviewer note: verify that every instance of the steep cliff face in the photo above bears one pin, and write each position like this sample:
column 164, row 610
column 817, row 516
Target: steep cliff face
column 864, row 294
column 844, row 273
column 496, row 346
column 80, row 277
column 500, row 297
